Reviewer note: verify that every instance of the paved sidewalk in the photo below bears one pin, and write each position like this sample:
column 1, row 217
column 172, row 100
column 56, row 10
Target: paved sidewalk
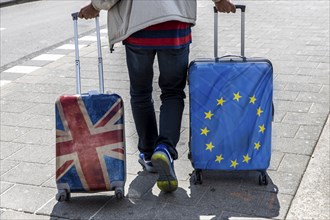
column 294, row 35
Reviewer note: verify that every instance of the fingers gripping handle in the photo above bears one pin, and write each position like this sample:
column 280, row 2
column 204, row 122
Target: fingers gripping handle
column 77, row 61
column 242, row 8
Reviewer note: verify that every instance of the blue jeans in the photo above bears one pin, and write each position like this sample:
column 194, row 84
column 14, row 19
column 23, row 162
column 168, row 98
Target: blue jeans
column 173, row 64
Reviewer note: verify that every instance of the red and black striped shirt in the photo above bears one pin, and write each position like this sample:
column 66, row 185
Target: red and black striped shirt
column 166, row 35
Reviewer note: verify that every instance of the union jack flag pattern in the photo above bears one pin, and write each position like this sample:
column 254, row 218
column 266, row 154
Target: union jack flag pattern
column 90, row 148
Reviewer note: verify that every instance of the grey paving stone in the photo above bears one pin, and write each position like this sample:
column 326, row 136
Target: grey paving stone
column 284, row 130
column 14, row 215
column 8, row 148
column 286, row 95
column 296, row 146
column 313, row 97
column 15, row 107
column 7, row 165
column 9, row 133
column 130, row 209
column 303, row 87
column 13, row 119
column 25, row 173
column 287, row 183
column 42, row 109
column 37, row 136
column 51, row 183
column 34, row 154
column 309, row 132
column 39, row 121
column 285, row 106
column 5, row 186
column 320, row 79
column 20, row 96
column 304, row 118
column 319, row 108
column 292, row 78
column 294, row 163
column 26, row 198
column 47, row 98
column 276, row 159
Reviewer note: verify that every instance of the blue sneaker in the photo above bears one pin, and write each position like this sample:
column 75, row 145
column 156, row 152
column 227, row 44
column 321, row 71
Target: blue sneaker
column 146, row 164
column 163, row 162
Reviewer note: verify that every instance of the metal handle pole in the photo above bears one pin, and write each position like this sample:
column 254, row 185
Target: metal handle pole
column 242, row 8
column 77, row 61
column 215, row 32
column 100, row 60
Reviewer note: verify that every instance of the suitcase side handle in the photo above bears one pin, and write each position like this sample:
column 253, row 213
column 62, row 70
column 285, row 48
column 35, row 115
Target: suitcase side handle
column 77, row 60
column 242, row 8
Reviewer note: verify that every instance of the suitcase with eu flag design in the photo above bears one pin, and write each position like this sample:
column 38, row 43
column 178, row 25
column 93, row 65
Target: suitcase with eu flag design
column 231, row 112
column 90, row 141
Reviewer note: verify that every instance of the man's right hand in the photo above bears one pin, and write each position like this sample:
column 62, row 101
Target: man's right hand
column 225, row 6
column 88, row 12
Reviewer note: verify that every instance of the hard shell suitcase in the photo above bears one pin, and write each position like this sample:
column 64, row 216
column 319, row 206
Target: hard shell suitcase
column 90, row 141
column 231, row 112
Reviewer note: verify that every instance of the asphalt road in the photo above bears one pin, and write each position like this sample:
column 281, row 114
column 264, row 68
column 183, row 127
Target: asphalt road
column 30, row 29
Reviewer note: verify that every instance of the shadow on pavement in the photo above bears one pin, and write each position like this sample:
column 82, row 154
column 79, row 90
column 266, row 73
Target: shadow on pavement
column 221, row 196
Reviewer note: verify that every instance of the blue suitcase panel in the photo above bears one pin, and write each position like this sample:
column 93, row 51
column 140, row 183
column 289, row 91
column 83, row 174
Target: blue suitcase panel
column 90, row 148
column 230, row 114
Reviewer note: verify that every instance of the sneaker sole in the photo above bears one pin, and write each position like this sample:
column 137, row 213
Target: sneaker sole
column 167, row 180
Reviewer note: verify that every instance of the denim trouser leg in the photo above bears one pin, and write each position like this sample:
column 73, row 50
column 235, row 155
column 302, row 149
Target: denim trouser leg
column 172, row 80
column 173, row 66
column 140, row 69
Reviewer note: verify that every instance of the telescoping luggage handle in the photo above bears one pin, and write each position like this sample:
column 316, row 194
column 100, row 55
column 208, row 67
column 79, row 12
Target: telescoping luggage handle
column 242, row 8
column 100, row 62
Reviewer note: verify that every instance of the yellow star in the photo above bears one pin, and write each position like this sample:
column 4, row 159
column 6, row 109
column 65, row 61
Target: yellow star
column 221, row 101
column 253, row 99
column 209, row 146
column 262, row 128
column 204, row 131
column 219, row 158
column 246, row 158
column 234, row 163
column 259, row 111
column 237, row 96
column 208, row 115
column 257, row 145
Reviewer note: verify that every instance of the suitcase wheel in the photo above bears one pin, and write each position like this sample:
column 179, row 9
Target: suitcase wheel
column 197, row 177
column 63, row 195
column 263, row 180
column 119, row 192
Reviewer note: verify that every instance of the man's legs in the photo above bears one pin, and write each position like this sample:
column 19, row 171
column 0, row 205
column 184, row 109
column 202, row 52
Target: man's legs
column 172, row 80
column 140, row 69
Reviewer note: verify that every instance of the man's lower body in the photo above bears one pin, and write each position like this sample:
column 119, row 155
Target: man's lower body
column 157, row 146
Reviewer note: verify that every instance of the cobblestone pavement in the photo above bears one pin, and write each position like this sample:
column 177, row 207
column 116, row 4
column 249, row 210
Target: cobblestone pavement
column 294, row 35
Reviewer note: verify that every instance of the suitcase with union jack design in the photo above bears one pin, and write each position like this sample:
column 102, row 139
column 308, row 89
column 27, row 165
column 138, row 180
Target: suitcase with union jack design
column 90, row 142
column 231, row 112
